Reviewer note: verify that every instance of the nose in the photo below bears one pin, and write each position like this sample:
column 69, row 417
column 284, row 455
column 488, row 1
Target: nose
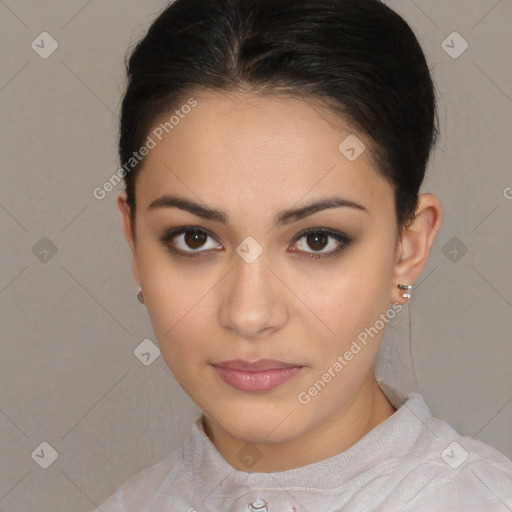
column 253, row 300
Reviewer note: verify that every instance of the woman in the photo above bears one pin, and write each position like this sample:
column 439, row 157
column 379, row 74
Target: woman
column 273, row 153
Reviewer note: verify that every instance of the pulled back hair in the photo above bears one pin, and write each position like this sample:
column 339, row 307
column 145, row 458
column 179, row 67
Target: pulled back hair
column 358, row 58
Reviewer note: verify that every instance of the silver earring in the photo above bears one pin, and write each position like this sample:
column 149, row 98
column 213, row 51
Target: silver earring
column 408, row 288
column 140, row 297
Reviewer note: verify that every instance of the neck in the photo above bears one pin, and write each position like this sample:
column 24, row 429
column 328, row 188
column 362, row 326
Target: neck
column 369, row 408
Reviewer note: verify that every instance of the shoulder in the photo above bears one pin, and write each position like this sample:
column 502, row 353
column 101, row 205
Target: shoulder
column 470, row 476
column 449, row 471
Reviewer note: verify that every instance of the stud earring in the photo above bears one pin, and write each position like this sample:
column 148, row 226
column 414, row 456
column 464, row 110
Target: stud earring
column 140, row 297
column 407, row 288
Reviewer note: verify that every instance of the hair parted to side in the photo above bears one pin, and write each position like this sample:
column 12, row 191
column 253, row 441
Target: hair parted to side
column 358, row 58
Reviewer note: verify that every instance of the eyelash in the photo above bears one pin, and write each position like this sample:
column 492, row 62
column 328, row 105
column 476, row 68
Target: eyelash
column 173, row 233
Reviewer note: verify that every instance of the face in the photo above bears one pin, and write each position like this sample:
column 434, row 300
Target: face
column 251, row 282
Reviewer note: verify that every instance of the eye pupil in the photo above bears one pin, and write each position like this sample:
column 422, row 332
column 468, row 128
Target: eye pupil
column 313, row 240
column 195, row 239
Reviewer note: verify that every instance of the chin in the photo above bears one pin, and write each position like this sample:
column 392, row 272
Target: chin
column 258, row 426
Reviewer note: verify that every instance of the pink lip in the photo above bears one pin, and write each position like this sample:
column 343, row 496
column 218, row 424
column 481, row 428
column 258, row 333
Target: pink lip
column 262, row 375
column 256, row 366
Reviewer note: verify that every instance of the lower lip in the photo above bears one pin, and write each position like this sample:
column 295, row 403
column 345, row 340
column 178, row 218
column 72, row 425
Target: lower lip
column 264, row 380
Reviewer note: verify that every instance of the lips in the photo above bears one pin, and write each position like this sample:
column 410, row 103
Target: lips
column 256, row 381
column 256, row 366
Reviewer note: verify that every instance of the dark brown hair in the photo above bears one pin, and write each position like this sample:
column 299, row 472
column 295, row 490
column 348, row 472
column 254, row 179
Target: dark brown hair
column 357, row 57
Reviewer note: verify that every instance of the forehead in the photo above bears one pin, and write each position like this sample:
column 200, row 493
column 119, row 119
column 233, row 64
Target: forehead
column 261, row 148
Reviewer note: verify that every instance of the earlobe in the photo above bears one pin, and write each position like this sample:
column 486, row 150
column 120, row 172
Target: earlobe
column 416, row 242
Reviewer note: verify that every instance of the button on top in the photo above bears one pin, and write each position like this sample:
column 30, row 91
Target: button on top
column 258, row 506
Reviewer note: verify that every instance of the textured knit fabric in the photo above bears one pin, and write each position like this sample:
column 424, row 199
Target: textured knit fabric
column 411, row 462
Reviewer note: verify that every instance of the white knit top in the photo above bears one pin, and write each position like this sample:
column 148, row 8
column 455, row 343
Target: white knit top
column 411, row 462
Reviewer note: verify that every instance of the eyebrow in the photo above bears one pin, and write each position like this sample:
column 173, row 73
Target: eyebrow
column 282, row 218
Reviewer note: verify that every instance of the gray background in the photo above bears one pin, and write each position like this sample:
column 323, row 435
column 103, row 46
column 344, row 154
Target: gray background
column 70, row 321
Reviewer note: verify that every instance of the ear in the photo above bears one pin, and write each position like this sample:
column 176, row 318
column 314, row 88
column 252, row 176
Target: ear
column 128, row 230
column 414, row 245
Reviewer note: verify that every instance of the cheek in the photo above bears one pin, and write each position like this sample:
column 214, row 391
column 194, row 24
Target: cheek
column 361, row 285
column 352, row 304
column 178, row 312
column 175, row 296
column 179, row 325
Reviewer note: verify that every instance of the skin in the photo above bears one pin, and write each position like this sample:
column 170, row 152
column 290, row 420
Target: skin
column 251, row 157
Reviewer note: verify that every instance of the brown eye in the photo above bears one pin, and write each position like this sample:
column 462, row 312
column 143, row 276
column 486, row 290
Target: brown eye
column 319, row 239
column 195, row 239
column 189, row 241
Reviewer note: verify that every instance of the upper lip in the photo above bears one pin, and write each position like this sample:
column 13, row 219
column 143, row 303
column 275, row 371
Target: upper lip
column 260, row 365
